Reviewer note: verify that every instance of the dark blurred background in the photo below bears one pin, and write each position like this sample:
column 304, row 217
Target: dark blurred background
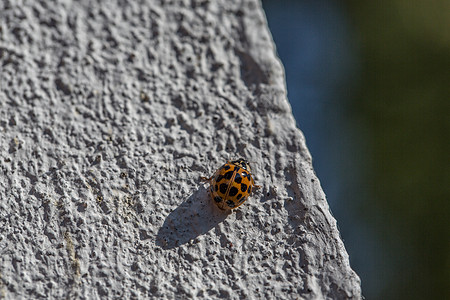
column 369, row 85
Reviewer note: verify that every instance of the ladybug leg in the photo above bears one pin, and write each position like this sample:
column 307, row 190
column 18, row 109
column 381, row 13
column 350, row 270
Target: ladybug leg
column 205, row 179
column 255, row 185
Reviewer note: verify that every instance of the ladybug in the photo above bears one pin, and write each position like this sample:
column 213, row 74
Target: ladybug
column 232, row 184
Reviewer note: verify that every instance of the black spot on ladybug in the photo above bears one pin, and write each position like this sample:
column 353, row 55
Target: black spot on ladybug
column 238, row 178
column 230, row 203
column 223, row 188
column 219, row 178
column 242, row 200
column 228, row 175
column 226, row 167
column 216, row 187
column 233, row 191
column 217, row 199
column 239, row 196
column 243, row 187
column 250, row 189
column 245, row 174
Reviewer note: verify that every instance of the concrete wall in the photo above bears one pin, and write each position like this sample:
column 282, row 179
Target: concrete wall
column 110, row 112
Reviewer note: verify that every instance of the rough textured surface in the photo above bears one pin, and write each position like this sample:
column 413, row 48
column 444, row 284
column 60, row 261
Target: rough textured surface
column 110, row 112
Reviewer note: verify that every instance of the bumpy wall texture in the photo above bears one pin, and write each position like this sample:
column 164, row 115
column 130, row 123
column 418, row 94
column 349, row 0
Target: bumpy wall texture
column 110, row 113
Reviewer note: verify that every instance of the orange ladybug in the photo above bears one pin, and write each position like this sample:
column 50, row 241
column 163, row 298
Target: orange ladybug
column 232, row 184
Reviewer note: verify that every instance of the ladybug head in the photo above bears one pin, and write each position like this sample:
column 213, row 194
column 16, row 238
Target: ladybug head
column 242, row 163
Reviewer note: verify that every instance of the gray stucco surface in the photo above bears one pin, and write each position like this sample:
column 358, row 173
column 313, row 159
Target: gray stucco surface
column 110, row 112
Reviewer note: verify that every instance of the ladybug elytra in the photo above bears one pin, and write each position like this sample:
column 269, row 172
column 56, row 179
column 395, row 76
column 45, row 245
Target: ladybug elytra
column 232, row 184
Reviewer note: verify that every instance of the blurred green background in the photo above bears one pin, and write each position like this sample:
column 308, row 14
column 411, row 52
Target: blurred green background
column 369, row 84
